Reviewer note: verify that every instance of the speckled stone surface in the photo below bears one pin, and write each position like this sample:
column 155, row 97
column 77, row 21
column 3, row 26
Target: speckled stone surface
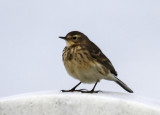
column 57, row 103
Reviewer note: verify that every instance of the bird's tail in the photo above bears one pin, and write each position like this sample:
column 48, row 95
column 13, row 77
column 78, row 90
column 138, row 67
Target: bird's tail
column 123, row 85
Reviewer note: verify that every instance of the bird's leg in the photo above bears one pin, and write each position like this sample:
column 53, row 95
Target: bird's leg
column 94, row 87
column 92, row 91
column 74, row 88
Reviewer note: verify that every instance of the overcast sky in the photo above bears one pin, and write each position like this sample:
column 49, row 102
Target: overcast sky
column 128, row 32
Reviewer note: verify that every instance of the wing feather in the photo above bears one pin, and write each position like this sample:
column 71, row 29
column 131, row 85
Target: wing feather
column 97, row 54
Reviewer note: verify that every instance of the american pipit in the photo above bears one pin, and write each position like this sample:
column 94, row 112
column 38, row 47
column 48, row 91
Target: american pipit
column 84, row 61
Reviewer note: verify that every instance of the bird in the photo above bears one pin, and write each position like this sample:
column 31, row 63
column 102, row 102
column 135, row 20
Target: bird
column 85, row 61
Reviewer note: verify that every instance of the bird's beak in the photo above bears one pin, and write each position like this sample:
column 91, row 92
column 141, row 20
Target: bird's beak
column 62, row 37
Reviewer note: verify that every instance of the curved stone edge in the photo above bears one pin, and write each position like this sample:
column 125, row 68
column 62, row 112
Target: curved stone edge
column 70, row 103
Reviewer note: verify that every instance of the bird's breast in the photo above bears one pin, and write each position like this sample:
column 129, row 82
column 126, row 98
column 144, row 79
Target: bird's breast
column 76, row 57
column 80, row 65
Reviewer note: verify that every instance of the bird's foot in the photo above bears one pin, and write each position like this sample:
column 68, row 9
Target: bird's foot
column 92, row 91
column 73, row 90
column 80, row 90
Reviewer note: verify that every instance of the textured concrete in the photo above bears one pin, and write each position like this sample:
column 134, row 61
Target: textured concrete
column 56, row 103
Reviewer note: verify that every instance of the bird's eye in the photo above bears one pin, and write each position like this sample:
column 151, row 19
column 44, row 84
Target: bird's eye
column 74, row 38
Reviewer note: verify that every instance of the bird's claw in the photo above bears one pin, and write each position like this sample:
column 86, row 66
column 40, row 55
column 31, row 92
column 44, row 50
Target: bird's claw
column 91, row 91
column 73, row 90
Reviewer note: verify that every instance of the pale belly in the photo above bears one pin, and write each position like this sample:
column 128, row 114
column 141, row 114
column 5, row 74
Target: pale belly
column 86, row 73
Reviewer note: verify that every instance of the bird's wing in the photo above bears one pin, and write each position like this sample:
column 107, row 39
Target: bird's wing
column 97, row 54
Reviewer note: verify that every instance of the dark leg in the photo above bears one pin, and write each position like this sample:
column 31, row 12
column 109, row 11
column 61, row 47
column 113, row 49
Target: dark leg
column 92, row 91
column 94, row 87
column 73, row 89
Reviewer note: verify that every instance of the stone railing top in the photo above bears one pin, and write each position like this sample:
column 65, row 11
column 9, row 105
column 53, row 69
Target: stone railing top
column 58, row 103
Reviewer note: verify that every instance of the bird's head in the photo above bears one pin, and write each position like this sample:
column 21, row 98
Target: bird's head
column 75, row 38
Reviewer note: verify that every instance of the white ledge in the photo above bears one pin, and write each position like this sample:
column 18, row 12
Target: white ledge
column 56, row 103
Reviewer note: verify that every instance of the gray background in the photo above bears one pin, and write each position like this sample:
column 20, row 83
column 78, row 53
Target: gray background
column 128, row 32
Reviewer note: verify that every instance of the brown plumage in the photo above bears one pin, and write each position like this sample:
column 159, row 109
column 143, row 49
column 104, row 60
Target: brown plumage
column 84, row 61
